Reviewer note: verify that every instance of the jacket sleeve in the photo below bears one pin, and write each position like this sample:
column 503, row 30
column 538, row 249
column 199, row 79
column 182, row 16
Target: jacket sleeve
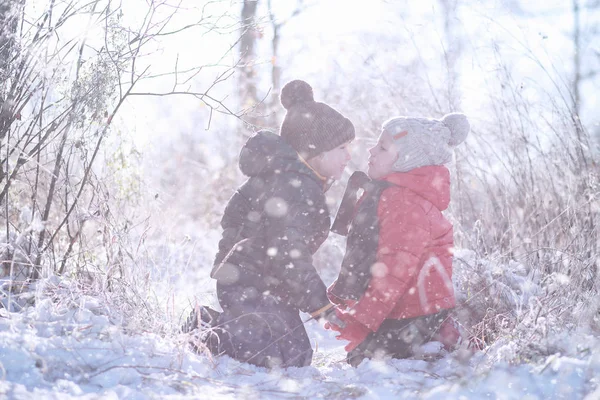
column 233, row 222
column 290, row 246
column 404, row 234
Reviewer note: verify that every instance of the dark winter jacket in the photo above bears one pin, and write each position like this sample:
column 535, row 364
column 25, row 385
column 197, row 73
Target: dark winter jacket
column 273, row 225
column 399, row 252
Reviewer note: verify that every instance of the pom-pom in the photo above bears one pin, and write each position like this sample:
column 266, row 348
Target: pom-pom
column 296, row 92
column 459, row 127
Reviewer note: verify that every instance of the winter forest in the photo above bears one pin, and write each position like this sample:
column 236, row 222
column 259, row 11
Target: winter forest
column 122, row 124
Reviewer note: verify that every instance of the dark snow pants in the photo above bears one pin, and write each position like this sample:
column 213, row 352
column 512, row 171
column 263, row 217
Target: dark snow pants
column 398, row 338
column 259, row 328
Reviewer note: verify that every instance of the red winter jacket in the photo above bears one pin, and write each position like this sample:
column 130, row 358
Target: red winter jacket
column 409, row 271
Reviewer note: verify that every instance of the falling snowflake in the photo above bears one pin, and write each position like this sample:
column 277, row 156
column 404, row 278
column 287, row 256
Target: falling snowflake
column 276, row 207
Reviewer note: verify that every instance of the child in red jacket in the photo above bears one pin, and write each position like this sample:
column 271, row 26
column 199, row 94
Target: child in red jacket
column 394, row 290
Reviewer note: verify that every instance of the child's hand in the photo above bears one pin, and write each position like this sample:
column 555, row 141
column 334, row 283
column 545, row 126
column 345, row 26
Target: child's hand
column 355, row 333
column 349, row 329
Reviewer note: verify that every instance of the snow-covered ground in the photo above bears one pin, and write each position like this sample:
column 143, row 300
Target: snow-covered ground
column 78, row 348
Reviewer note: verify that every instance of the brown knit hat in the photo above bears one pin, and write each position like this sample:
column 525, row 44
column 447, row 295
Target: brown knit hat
column 311, row 127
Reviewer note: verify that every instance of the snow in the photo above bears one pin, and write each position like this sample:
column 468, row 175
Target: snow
column 81, row 349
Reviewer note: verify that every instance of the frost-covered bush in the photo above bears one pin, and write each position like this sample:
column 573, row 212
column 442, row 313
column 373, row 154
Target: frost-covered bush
column 17, row 256
column 490, row 296
column 515, row 312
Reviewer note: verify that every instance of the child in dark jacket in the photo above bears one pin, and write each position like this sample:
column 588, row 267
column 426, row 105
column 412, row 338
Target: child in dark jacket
column 394, row 290
column 272, row 226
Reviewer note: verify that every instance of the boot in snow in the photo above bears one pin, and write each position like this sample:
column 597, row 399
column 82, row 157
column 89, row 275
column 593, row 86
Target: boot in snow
column 207, row 319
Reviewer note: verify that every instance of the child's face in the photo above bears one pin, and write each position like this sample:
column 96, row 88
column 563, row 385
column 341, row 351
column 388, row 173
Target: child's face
column 332, row 163
column 383, row 156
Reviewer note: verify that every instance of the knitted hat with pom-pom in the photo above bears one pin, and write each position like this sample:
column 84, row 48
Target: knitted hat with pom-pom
column 311, row 127
column 426, row 141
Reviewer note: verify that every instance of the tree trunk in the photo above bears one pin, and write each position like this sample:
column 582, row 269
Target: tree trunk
column 8, row 29
column 274, row 107
column 9, row 23
column 248, row 78
column 576, row 57
column 451, row 53
column 582, row 137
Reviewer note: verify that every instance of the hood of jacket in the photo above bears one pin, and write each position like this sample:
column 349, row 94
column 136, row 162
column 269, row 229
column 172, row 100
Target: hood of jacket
column 431, row 182
column 267, row 153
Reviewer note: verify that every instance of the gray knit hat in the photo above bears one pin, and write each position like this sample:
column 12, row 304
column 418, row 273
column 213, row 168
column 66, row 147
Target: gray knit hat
column 426, row 141
column 311, row 127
